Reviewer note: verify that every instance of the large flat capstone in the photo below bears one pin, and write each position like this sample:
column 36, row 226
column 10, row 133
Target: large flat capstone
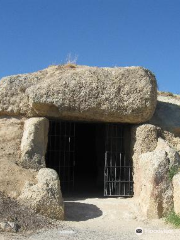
column 126, row 94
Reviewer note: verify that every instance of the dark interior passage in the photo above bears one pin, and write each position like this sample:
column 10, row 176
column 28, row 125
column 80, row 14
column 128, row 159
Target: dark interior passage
column 89, row 159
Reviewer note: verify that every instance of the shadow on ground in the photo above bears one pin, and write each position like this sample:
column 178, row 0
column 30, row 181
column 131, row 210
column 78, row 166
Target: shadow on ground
column 76, row 211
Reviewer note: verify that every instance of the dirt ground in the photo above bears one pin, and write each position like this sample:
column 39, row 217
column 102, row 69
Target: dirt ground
column 27, row 220
column 101, row 218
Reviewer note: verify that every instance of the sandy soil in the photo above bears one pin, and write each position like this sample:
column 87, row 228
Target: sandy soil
column 102, row 218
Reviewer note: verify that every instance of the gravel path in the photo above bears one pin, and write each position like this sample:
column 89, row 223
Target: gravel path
column 102, row 218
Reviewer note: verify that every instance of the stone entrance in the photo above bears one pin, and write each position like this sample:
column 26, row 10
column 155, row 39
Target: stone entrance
column 108, row 95
column 91, row 158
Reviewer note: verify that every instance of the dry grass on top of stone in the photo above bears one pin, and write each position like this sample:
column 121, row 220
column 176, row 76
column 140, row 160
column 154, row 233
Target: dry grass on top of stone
column 27, row 220
column 65, row 66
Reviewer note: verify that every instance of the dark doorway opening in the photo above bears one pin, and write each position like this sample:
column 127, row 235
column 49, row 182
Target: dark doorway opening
column 89, row 155
column 92, row 159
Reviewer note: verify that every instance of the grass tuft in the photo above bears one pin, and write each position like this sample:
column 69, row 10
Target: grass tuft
column 69, row 63
column 173, row 171
column 174, row 219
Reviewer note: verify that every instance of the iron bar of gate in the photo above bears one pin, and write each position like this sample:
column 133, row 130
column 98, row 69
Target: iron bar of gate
column 117, row 183
column 120, row 170
column 60, row 152
column 105, row 175
column 110, row 169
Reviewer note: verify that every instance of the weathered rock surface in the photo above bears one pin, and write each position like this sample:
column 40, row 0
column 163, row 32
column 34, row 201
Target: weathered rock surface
column 155, row 153
column 155, row 197
column 82, row 93
column 172, row 154
column 9, row 226
column 152, row 163
column 45, row 196
column 167, row 114
column 42, row 191
column 176, row 193
column 34, row 143
column 172, row 139
column 11, row 131
column 144, row 138
column 12, row 176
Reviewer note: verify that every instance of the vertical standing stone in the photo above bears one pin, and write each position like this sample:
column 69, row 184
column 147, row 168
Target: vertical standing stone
column 34, row 143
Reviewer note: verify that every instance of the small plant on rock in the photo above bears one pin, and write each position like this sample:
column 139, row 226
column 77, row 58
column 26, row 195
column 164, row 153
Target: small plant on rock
column 173, row 218
column 71, row 61
column 173, row 171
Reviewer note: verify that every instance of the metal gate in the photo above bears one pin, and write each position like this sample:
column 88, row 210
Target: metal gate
column 61, row 152
column 118, row 167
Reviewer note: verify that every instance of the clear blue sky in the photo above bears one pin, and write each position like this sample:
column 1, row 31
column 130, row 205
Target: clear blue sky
column 37, row 33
